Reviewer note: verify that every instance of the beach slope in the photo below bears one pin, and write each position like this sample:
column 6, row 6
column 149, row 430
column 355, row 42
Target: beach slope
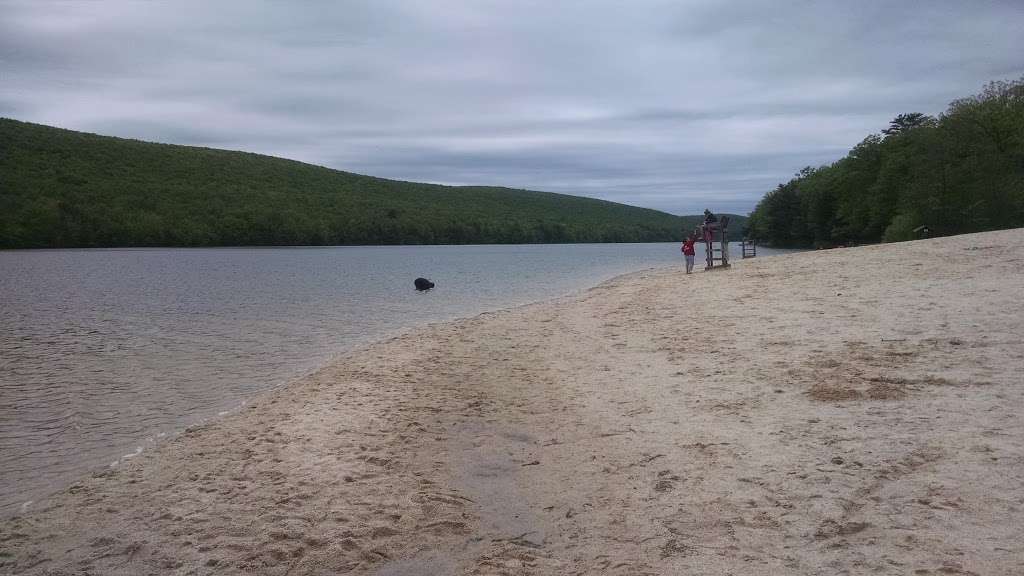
column 853, row 411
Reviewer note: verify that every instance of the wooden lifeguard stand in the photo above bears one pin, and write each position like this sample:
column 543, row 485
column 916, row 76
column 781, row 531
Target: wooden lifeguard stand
column 716, row 243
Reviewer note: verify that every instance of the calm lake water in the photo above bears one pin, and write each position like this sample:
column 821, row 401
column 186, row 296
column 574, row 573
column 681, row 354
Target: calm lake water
column 104, row 352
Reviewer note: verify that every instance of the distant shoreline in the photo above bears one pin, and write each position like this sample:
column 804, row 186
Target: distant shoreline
column 328, row 246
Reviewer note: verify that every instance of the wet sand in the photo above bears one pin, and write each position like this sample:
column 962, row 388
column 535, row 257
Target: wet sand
column 853, row 411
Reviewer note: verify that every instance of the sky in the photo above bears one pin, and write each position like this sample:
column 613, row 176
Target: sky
column 678, row 106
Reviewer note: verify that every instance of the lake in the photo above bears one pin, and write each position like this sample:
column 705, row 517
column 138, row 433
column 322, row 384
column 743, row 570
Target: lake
column 104, row 352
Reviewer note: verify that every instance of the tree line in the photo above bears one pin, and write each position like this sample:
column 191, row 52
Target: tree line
column 922, row 176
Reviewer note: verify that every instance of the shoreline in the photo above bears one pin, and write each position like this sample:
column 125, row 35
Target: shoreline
column 645, row 424
column 149, row 438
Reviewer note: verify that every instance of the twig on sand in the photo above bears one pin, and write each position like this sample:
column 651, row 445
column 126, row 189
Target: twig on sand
column 651, row 459
column 520, row 540
column 607, row 434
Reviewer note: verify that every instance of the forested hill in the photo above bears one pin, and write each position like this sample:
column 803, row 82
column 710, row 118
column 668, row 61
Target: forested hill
column 923, row 176
column 60, row 188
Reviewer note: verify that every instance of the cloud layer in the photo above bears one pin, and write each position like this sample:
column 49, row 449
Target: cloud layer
column 669, row 105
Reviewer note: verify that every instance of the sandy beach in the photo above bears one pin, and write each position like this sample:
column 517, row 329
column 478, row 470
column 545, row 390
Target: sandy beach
column 852, row 411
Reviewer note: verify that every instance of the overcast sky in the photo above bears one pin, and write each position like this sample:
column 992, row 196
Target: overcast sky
column 675, row 105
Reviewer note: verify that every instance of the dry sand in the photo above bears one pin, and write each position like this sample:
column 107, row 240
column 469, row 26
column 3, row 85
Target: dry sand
column 854, row 411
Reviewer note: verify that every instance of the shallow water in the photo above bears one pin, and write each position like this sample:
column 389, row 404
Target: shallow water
column 104, row 352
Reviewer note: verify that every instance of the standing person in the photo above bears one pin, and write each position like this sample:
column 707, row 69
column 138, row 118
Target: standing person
column 688, row 252
column 710, row 223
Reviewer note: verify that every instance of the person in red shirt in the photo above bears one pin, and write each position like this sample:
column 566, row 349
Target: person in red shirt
column 688, row 253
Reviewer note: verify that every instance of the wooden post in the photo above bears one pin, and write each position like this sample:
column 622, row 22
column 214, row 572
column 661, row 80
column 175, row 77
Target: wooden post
column 724, row 241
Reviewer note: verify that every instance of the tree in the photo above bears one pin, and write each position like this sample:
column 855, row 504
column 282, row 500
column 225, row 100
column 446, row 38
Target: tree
column 906, row 122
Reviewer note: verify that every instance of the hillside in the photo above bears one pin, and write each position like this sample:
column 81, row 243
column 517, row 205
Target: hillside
column 60, row 188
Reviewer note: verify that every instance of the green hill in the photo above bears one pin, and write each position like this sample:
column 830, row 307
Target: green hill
column 60, row 188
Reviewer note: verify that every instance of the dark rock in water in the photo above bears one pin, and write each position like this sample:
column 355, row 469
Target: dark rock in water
column 423, row 284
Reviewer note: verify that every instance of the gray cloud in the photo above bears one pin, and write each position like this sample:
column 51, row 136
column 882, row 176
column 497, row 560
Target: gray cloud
column 670, row 105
